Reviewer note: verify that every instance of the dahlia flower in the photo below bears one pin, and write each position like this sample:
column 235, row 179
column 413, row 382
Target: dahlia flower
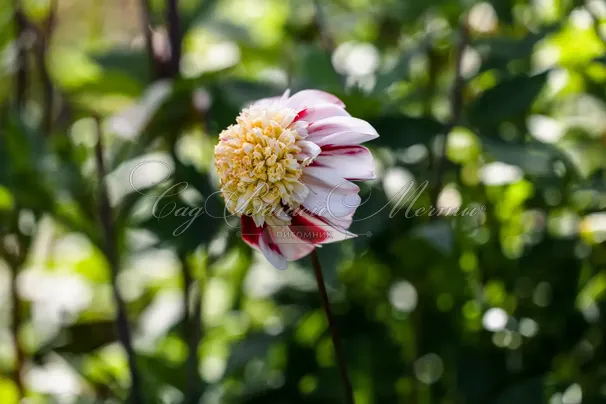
column 286, row 168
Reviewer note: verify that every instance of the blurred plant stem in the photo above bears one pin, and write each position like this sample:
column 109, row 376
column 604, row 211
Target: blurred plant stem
column 42, row 37
column 20, row 246
column 164, row 61
column 15, row 325
column 112, row 255
column 334, row 334
column 174, row 35
column 20, row 29
column 456, row 105
column 433, row 70
column 193, row 328
column 43, row 42
column 14, row 261
column 148, row 33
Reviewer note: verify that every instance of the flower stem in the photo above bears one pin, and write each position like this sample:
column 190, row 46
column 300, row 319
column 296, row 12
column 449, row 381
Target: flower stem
column 334, row 334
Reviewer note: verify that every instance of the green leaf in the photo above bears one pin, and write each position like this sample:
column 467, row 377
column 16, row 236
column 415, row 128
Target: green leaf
column 231, row 31
column 25, row 163
column 134, row 63
column 71, row 159
column 81, row 338
column 203, row 11
column 163, row 111
column 507, row 100
column 313, row 69
column 179, row 224
column 498, row 51
column 36, row 170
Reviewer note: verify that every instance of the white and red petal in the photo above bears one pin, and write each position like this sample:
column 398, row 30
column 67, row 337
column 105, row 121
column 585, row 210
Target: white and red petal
column 340, row 131
column 330, row 158
column 289, row 245
column 339, row 222
column 316, row 230
column 307, row 98
column 309, row 151
column 250, row 232
column 329, row 193
column 320, row 111
column 352, row 162
column 344, row 139
column 271, row 251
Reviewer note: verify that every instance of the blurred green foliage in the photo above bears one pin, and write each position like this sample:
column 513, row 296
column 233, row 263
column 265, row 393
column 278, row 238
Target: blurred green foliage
column 507, row 306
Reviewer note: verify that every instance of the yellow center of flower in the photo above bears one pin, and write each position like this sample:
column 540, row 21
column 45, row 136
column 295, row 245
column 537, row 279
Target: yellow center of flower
column 257, row 163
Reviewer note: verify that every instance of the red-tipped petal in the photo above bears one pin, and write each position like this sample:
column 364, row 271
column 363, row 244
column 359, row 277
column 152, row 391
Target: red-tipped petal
column 250, row 231
column 317, row 230
column 320, row 111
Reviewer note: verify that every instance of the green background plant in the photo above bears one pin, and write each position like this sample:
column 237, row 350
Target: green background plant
column 503, row 307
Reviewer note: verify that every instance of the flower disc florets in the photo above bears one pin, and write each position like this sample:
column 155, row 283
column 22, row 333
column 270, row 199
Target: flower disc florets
column 259, row 163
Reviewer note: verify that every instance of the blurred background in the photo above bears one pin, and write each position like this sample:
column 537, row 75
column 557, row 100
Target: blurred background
column 499, row 105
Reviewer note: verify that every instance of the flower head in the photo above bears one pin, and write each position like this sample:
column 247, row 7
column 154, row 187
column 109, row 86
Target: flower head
column 286, row 168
